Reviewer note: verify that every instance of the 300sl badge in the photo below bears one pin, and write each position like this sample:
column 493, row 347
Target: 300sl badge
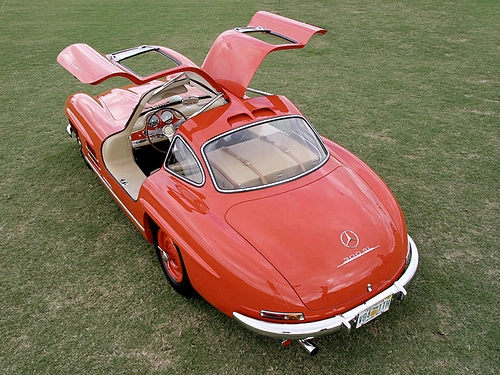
column 357, row 254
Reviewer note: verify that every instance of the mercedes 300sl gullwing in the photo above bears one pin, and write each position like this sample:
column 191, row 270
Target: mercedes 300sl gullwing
column 246, row 204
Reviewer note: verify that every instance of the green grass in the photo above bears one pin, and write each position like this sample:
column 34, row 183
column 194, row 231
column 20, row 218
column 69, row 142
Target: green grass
column 412, row 87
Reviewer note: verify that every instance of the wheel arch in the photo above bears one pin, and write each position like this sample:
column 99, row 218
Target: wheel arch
column 150, row 228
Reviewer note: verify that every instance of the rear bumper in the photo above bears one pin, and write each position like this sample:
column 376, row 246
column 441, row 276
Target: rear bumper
column 339, row 322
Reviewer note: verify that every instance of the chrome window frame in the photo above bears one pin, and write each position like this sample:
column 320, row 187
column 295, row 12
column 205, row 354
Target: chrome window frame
column 172, row 172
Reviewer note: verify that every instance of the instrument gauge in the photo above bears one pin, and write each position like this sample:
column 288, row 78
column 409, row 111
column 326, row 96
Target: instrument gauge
column 153, row 121
column 167, row 117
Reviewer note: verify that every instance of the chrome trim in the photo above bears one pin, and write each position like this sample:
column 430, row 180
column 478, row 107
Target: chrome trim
column 253, row 29
column 260, row 92
column 302, row 331
column 171, row 82
column 69, row 130
column 139, row 142
column 130, row 52
column 92, row 157
column 269, row 314
column 206, row 106
column 155, row 136
column 191, row 182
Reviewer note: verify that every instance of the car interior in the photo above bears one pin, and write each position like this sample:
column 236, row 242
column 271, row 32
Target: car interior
column 140, row 149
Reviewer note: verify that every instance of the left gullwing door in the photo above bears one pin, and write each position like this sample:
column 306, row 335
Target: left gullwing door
column 236, row 54
column 90, row 66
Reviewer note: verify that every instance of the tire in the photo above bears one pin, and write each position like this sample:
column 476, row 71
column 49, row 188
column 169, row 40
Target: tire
column 172, row 264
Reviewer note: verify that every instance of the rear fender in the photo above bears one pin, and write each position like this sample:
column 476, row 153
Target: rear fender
column 221, row 267
column 378, row 186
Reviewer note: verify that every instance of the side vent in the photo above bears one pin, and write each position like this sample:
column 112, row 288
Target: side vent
column 92, row 157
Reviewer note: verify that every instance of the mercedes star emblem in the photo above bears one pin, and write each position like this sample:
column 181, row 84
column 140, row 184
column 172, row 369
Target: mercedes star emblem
column 349, row 239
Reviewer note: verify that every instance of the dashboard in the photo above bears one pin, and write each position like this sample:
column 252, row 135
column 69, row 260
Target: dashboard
column 156, row 126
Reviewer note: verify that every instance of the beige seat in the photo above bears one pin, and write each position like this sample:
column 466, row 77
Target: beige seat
column 269, row 158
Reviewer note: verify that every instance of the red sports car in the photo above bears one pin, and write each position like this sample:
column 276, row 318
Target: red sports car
column 246, row 204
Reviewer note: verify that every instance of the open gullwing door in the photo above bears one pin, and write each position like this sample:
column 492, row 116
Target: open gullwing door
column 236, row 54
column 90, row 66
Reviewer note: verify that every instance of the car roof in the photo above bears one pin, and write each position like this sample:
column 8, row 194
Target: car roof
column 223, row 119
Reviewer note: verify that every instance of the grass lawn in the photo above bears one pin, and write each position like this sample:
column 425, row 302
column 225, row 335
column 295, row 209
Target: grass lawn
column 412, row 87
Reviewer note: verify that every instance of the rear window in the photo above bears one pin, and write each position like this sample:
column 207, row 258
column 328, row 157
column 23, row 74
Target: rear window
column 264, row 154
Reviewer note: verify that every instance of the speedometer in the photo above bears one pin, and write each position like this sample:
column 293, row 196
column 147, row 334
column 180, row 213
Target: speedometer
column 153, row 121
column 167, row 117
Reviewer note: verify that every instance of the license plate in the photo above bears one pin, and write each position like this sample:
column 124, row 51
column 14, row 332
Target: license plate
column 373, row 311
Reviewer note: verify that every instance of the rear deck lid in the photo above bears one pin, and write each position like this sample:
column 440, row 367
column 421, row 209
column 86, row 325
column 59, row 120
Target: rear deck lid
column 329, row 239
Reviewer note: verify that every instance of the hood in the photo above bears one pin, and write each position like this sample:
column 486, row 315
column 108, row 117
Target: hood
column 329, row 239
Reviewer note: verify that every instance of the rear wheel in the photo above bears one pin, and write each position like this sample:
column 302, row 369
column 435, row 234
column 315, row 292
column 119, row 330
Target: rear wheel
column 172, row 264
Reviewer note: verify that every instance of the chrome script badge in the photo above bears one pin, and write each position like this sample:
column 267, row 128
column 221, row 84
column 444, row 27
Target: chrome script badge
column 357, row 255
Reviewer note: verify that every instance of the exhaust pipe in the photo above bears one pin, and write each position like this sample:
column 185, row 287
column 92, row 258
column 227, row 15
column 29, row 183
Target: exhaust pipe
column 309, row 346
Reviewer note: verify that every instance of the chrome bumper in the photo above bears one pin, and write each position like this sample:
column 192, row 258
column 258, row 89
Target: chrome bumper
column 328, row 326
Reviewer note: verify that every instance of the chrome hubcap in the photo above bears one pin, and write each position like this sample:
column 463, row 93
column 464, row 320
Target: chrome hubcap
column 165, row 257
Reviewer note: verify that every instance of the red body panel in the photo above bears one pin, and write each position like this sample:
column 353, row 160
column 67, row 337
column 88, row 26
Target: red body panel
column 312, row 238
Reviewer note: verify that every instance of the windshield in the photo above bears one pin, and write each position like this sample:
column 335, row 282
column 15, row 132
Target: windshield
column 264, row 154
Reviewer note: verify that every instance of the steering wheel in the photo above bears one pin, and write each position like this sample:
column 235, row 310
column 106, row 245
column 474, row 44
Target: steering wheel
column 175, row 125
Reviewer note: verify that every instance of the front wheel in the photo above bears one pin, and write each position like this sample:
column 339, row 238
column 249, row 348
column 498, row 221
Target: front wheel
column 172, row 264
